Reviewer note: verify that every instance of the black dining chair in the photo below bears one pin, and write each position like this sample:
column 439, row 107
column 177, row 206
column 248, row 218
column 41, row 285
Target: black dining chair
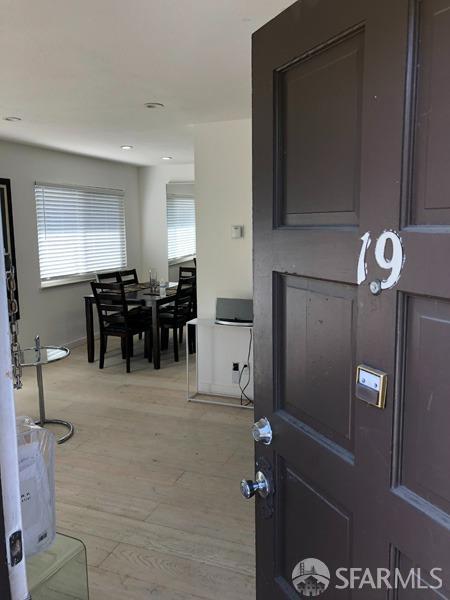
column 129, row 276
column 187, row 272
column 116, row 319
column 111, row 277
column 176, row 316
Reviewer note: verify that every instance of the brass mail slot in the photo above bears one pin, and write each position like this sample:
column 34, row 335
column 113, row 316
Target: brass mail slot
column 371, row 385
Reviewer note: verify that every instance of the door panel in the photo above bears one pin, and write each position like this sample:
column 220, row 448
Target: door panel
column 405, row 564
column 350, row 135
column 426, row 442
column 319, row 98
column 317, row 344
column 431, row 121
column 323, row 524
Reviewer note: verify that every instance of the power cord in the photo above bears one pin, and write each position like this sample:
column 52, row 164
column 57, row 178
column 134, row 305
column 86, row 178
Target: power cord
column 246, row 366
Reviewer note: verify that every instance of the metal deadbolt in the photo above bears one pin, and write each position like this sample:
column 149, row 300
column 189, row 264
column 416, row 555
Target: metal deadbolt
column 262, row 431
column 261, row 485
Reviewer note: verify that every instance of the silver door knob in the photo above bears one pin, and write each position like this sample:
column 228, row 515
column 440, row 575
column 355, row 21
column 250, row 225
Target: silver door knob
column 262, row 431
column 261, row 485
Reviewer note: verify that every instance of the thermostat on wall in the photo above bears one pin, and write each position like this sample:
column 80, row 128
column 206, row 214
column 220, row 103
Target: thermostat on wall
column 237, row 231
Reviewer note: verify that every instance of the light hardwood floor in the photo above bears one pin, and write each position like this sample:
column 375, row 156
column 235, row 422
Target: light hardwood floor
column 150, row 482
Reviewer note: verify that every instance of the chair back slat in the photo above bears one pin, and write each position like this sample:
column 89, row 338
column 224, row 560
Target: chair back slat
column 186, row 272
column 128, row 276
column 111, row 277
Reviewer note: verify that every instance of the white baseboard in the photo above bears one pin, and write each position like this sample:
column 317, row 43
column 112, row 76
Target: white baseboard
column 76, row 343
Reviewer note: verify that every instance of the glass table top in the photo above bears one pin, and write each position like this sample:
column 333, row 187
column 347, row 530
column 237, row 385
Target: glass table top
column 32, row 357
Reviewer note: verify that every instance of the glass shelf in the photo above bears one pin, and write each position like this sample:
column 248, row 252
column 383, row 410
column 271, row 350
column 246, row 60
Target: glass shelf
column 32, row 357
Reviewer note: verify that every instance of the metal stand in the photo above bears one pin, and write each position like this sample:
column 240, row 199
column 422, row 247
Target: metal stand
column 43, row 421
column 194, row 397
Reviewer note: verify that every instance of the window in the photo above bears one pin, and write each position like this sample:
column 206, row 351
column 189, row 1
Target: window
column 81, row 231
column 180, row 221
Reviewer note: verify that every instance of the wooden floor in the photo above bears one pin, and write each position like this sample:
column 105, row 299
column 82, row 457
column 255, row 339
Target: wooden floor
column 150, row 482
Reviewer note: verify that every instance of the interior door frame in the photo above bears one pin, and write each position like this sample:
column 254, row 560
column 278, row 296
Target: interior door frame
column 13, row 580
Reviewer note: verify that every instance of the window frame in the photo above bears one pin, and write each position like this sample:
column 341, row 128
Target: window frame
column 183, row 190
column 77, row 278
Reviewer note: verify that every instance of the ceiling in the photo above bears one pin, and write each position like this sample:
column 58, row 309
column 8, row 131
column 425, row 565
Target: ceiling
column 79, row 72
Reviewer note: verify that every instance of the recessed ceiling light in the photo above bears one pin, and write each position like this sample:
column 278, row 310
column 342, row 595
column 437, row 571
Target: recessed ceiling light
column 126, row 147
column 166, row 158
column 12, row 119
column 154, row 105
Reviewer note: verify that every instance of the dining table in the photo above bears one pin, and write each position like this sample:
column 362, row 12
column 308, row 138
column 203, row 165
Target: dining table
column 141, row 294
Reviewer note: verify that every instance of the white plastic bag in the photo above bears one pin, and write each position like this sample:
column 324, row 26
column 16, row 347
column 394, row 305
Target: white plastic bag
column 36, row 450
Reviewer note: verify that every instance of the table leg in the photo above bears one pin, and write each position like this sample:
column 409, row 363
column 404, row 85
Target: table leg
column 187, row 364
column 90, row 341
column 156, row 345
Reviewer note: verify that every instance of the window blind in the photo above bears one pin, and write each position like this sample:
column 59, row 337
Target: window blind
column 180, row 226
column 81, row 230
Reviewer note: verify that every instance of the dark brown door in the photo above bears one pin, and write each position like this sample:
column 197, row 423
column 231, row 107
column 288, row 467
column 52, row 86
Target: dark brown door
column 352, row 194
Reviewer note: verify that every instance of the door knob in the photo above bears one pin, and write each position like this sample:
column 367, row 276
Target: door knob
column 261, row 485
column 262, row 431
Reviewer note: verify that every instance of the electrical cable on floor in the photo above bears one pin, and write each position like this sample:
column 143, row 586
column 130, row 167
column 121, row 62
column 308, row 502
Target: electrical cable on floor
column 246, row 366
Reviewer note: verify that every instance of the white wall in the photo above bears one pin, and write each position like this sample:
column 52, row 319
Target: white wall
column 223, row 190
column 57, row 313
column 223, row 184
column 152, row 192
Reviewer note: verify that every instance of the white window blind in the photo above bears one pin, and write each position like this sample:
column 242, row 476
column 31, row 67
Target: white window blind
column 180, row 222
column 81, row 231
